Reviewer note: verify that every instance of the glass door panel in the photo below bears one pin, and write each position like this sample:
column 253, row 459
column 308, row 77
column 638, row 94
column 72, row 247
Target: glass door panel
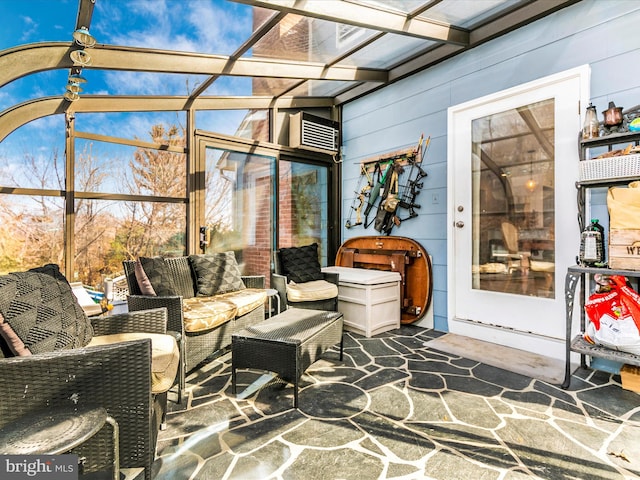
column 303, row 206
column 513, row 172
column 512, row 167
column 239, row 208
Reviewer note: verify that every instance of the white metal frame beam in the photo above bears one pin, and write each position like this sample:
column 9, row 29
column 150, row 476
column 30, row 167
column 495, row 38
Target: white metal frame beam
column 27, row 59
column 21, row 114
column 492, row 28
column 369, row 17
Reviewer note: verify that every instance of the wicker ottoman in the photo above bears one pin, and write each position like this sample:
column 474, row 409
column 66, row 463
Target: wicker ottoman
column 286, row 344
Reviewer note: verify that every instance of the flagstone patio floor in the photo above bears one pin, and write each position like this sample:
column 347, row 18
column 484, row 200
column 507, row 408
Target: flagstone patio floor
column 396, row 408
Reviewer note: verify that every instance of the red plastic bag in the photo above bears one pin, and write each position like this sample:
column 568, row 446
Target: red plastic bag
column 614, row 317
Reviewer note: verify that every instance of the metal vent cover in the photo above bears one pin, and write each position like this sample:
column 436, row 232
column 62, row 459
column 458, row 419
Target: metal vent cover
column 313, row 133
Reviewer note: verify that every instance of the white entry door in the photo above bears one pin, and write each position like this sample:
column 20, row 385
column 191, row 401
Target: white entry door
column 513, row 163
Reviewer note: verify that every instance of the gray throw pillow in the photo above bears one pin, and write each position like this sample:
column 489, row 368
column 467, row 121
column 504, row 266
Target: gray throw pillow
column 159, row 275
column 216, row 273
column 51, row 269
column 40, row 314
column 208, row 268
column 301, row 264
column 231, row 280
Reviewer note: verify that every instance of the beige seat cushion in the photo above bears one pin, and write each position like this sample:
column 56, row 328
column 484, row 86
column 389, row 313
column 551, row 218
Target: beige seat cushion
column 245, row 300
column 205, row 313
column 165, row 356
column 310, row 291
column 542, row 266
column 489, row 268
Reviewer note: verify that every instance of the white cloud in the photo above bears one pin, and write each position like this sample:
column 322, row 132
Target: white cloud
column 143, row 83
column 30, row 28
column 206, row 26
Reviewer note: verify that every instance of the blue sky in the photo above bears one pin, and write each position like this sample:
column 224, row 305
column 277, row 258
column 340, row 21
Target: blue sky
column 211, row 26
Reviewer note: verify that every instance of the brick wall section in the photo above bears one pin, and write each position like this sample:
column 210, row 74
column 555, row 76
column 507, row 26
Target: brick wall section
column 290, row 39
column 286, row 209
column 257, row 256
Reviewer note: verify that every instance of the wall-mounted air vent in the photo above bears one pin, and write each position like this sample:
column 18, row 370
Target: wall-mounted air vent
column 313, row 133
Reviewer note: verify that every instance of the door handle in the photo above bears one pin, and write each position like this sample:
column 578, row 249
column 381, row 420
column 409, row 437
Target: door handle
column 459, row 224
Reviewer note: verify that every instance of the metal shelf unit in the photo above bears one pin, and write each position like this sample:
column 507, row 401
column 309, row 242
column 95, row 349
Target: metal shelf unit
column 578, row 274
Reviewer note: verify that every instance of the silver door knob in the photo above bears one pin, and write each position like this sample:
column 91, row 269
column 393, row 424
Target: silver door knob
column 459, row 224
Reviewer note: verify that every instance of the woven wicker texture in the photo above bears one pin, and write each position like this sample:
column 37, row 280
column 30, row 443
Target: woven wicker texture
column 150, row 321
column 116, row 377
column 195, row 347
column 279, row 283
column 301, row 264
column 43, row 312
column 627, row 166
column 291, row 326
column 286, row 344
column 253, row 281
column 159, row 275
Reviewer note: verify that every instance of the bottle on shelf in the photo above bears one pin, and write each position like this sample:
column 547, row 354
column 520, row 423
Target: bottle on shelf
column 591, row 128
column 592, row 253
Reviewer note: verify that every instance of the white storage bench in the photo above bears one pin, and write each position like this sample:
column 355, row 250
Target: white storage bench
column 368, row 299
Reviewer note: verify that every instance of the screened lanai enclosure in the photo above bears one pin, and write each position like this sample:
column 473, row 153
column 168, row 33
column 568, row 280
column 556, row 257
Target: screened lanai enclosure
column 132, row 128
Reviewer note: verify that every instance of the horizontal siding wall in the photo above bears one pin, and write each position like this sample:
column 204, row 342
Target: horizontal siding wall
column 600, row 33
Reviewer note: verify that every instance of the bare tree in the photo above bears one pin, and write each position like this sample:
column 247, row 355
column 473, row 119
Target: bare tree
column 151, row 227
column 32, row 231
column 94, row 226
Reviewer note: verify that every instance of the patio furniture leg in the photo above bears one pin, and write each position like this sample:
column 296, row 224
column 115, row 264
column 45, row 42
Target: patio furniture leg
column 233, row 378
column 286, row 344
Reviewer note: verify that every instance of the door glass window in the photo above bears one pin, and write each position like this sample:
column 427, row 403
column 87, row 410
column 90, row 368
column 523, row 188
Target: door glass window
column 513, row 201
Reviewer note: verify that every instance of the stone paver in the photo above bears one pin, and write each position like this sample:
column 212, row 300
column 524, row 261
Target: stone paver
column 394, row 408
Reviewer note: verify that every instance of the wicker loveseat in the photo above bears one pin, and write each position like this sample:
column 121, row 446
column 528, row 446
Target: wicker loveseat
column 235, row 309
column 53, row 357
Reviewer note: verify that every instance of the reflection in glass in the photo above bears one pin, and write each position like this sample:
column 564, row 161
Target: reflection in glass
column 239, row 208
column 308, row 39
column 388, row 51
column 319, row 88
column 303, row 206
column 112, row 168
column 513, row 201
column 128, row 125
column 253, row 124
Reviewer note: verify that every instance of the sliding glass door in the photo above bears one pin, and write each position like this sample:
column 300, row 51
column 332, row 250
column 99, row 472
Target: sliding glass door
column 239, row 206
column 303, row 205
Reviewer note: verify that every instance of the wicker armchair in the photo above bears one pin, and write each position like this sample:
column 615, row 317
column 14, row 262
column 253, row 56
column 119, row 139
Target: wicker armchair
column 195, row 347
column 116, row 377
column 279, row 282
